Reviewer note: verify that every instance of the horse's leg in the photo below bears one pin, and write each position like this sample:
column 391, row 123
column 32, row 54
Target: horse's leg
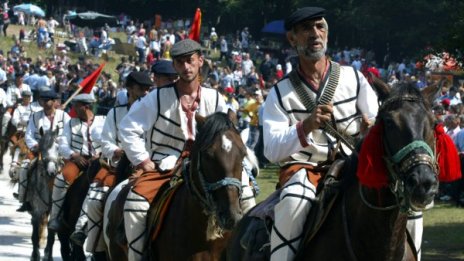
column 48, row 251
column 77, row 253
column 35, row 238
column 65, row 248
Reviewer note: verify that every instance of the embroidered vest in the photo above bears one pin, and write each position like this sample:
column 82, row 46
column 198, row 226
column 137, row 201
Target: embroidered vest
column 39, row 117
column 345, row 111
column 167, row 136
column 78, row 129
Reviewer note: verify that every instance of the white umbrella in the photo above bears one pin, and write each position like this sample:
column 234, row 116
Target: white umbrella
column 29, row 9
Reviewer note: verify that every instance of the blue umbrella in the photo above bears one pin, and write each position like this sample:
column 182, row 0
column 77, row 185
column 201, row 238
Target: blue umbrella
column 29, row 9
column 274, row 27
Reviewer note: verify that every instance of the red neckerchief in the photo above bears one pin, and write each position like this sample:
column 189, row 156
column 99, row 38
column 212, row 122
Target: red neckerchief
column 310, row 80
column 190, row 113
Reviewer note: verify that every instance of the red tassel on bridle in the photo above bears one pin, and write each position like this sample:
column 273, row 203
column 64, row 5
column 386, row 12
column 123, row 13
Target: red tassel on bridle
column 447, row 156
column 372, row 170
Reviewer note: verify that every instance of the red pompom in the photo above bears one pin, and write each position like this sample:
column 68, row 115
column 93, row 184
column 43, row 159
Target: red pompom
column 447, row 156
column 372, row 171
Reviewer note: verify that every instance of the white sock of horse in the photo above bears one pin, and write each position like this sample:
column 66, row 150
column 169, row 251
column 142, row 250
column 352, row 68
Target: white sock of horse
column 416, row 228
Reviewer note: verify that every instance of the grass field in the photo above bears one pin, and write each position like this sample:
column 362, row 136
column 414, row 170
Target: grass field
column 443, row 237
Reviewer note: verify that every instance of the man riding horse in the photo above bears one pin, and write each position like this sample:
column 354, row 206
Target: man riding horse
column 167, row 117
column 19, row 120
column 79, row 145
column 303, row 114
column 137, row 84
column 49, row 118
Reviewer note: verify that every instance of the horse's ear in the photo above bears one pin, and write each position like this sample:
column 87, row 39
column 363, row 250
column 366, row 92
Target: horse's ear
column 232, row 117
column 200, row 120
column 432, row 92
column 41, row 131
column 381, row 88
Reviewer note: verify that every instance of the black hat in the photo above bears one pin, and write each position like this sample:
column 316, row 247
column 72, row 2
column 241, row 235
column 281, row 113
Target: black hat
column 48, row 95
column 302, row 14
column 140, row 78
column 185, row 47
column 163, row 67
column 19, row 74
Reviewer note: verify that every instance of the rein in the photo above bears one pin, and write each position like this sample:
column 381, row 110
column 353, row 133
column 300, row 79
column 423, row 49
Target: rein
column 204, row 192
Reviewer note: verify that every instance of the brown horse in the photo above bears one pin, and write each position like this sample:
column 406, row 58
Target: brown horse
column 42, row 173
column 367, row 223
column 206, row 204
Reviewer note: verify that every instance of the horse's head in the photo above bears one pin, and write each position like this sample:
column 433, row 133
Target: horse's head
column 217, row 157
column 409, row 143
column 48, row 151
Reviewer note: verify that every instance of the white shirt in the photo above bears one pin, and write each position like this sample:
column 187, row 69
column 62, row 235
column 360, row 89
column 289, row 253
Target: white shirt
column 13, row 93
column 280, row 132
column 140, row 120
column 21, row 116
column 95, row 130
column 110, row 137
column 39, row 120
column 141, row 42
column 51, row 24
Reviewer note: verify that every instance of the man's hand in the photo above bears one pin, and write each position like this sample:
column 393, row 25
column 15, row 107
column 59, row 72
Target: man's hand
column 318, row 118
column 117, row 154
column 365, row 124
column 80, row 161
column 149, row 166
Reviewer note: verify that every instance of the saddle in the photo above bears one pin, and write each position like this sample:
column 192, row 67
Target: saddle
column 256, row 240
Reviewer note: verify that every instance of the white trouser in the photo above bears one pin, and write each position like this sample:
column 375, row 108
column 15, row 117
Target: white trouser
column 290, row 216
column 60, row 187
column 247, row 200
column 415, row 228
column 95, row 242
column 135, row 214
column 22, row 185
column 5, row 119
column 109, row 201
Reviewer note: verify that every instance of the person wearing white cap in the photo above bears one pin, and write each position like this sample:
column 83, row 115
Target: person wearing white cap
column 78, row 145
column 49, row 118
column 138, row 84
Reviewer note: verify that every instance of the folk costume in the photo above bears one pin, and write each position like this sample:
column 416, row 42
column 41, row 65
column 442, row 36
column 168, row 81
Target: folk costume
column 80, row 137
column 37, row 121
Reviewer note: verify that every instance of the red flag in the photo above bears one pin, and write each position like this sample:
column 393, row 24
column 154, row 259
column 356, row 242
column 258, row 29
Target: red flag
column 194, row 33
column 88, row 83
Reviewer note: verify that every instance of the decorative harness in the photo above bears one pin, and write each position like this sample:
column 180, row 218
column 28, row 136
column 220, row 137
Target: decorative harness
column 204, row 192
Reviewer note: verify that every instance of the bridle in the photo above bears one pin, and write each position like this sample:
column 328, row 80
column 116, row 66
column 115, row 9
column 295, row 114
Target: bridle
column 398, row 165
column 405, row 159
column 203, row 191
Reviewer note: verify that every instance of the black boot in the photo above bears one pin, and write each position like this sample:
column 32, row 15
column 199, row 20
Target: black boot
column 99, row 256
column 25, row 207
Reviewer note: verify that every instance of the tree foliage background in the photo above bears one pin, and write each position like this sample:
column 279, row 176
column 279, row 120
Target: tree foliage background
column 404, row 28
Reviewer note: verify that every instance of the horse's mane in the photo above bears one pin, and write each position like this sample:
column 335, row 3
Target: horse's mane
column 214, row 125
column 402, row 89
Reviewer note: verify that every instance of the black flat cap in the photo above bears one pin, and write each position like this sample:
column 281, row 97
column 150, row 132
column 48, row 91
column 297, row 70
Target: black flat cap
column 163, row 67
column 48, row 95
column 141, row 78
column 302, row 14
column 185, row 47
